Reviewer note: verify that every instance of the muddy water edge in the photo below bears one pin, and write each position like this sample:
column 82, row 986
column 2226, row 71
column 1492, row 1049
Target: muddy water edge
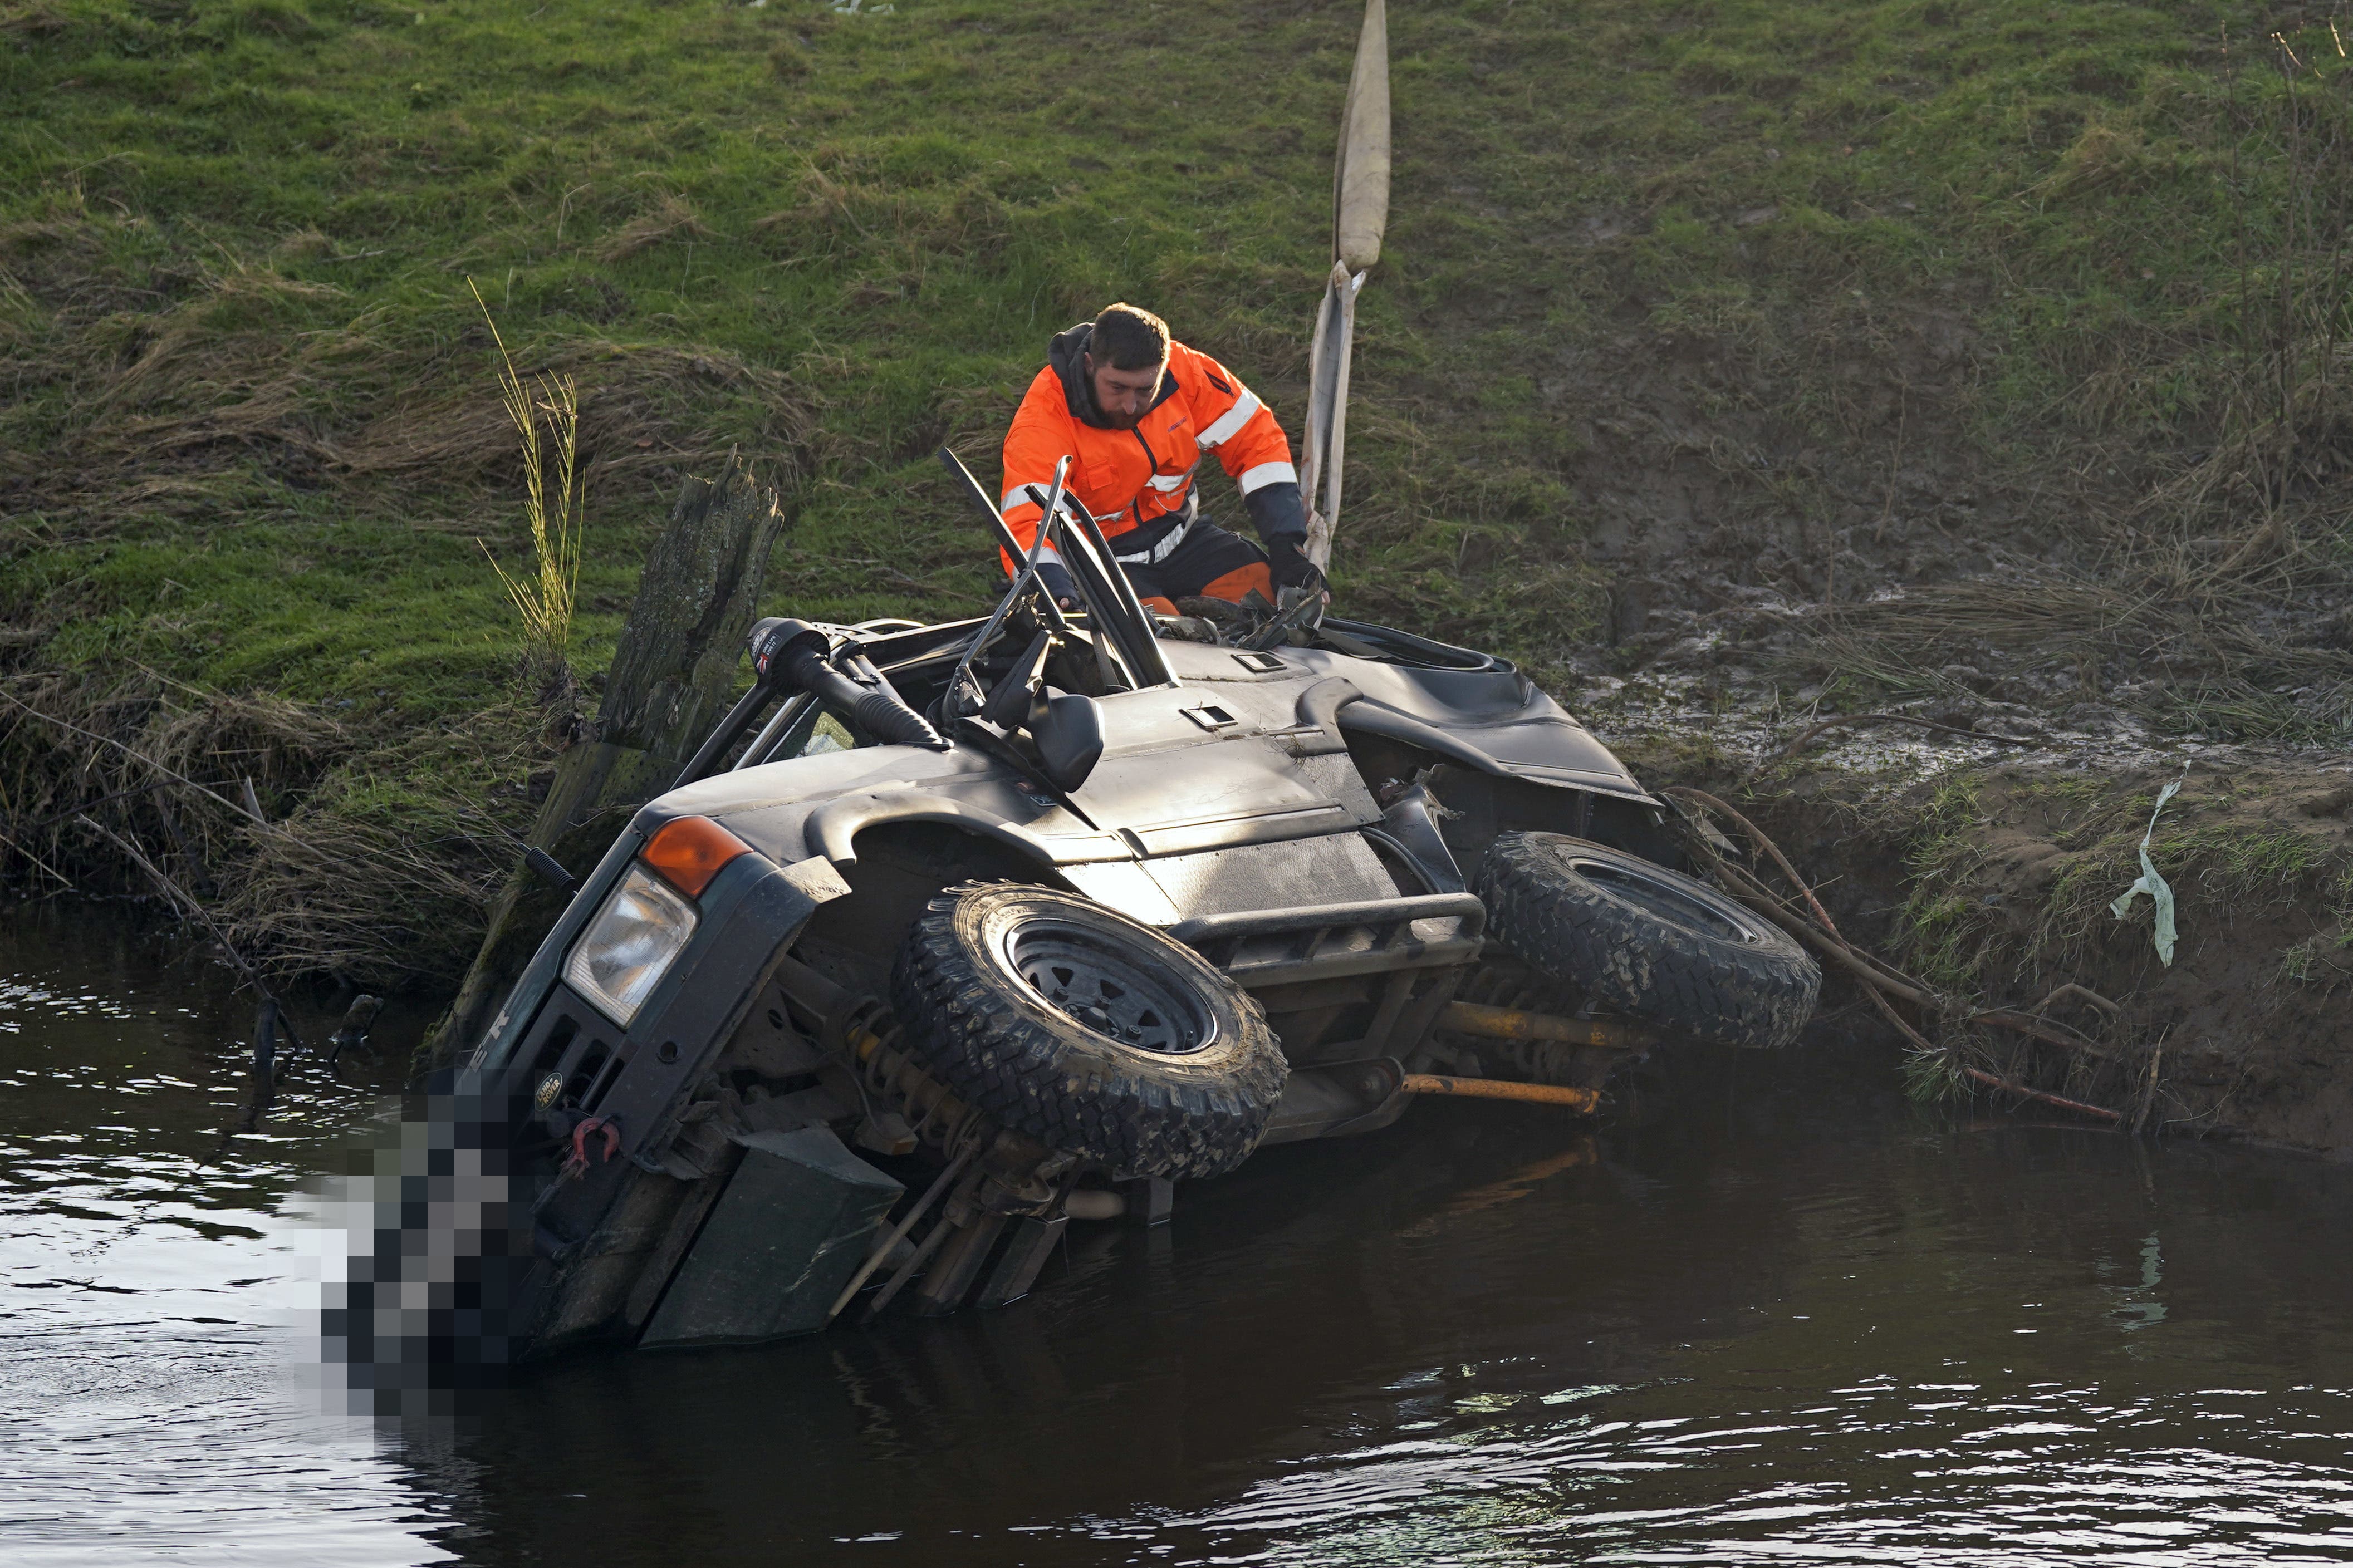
column 1764, row 1309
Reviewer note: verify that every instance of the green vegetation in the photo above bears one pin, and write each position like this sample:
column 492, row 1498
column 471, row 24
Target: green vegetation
column 1948, row 934
column 543, row 596
column 1969, row 916
column 253, row 425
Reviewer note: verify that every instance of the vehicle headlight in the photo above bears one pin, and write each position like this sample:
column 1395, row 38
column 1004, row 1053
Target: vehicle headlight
column 630, row 946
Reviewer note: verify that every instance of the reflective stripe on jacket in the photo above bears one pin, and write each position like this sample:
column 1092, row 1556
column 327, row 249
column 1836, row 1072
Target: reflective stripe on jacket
column 1142, row 479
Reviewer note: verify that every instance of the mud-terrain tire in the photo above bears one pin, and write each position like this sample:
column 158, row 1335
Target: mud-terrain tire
column 1647, row 943
column 1091, row 1033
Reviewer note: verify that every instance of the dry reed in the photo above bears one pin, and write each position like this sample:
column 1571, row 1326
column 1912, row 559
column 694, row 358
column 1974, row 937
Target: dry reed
column 543, row 598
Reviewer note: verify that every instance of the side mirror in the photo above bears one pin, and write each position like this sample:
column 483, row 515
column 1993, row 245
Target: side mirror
column 1070, row 739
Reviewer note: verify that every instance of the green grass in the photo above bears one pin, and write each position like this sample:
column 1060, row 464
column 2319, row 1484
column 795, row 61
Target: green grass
column 1945, row 924
column 2222, row 854
column 251, row 431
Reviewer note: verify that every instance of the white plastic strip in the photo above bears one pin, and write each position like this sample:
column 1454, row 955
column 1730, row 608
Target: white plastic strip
column 2160, row 892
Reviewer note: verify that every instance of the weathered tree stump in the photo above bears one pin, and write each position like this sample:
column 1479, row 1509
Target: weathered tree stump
column 672, row 677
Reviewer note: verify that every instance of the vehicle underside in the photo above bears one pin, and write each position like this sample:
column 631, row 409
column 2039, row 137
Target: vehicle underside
column 954, row 934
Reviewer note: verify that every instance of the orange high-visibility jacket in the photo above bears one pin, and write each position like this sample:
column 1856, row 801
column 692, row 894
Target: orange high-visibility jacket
column 1139, row 483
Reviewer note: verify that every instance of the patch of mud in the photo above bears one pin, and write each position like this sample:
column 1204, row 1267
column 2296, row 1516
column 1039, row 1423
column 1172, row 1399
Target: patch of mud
column 1702, row 479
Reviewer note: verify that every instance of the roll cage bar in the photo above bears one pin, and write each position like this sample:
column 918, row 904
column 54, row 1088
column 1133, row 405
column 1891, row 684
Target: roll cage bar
column 1116, row 625
column 1113, row 608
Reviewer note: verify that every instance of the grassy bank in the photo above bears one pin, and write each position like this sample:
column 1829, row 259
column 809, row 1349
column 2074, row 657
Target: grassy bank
column 1685, row 309
column 2005, row 875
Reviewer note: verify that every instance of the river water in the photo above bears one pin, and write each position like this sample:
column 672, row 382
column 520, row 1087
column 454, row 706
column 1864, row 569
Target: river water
column 1766, row 1312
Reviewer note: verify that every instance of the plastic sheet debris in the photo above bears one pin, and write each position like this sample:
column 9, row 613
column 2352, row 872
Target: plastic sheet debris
column 2160, row 893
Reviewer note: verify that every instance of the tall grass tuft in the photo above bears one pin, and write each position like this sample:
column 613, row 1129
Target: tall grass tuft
column 544, row 596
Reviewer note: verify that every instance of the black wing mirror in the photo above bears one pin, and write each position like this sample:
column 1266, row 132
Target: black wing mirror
column 1070, row 739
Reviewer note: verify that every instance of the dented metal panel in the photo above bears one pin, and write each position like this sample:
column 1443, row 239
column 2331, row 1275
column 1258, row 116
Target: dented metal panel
column 793, row 1226
column 1341, row 868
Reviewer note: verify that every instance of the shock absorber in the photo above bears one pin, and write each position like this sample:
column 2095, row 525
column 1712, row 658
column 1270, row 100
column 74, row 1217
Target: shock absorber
column 863, row 1033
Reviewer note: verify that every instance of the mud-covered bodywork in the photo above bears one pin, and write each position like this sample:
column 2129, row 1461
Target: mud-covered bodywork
column 1305, row 816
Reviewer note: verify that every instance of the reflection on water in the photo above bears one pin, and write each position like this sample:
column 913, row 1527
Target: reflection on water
column 1748, row 1320
column 146, row 1277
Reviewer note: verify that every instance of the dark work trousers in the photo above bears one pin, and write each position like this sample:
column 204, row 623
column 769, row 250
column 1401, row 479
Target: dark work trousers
column 1208, row 562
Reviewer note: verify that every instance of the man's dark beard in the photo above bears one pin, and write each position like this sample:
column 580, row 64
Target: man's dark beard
column 1117, row 421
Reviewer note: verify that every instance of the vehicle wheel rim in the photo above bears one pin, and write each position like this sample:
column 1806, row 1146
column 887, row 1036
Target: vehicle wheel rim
column 1108, row 991
column 1663, row 899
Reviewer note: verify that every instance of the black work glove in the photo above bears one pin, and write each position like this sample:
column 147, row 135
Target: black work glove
column 1056, row 580
column 1288, row 564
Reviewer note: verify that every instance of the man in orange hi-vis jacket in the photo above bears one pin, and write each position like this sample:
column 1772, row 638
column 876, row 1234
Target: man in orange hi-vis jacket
column 1136, row 412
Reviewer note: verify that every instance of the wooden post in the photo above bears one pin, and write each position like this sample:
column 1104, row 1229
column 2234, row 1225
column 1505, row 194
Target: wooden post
column 673, row 674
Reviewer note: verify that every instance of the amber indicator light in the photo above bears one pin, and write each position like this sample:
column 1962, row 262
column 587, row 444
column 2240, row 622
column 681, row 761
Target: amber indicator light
column 690, row 851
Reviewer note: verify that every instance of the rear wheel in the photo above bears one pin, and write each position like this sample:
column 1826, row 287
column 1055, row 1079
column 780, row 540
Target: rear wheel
column 1647, row 943
column 1089, row 1032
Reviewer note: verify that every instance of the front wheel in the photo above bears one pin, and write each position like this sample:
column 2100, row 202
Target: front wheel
column 1646, row 941
column 1093, row 1034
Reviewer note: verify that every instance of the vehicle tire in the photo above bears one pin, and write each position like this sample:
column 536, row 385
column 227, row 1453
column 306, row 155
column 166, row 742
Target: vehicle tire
column 1647, row 943
column 1091, row 1033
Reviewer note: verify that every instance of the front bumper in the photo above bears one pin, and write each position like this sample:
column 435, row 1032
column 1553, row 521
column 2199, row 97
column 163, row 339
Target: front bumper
column 639, row 1076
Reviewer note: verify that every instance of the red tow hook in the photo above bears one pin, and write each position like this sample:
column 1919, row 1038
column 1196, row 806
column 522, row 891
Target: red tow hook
column 610, row 1126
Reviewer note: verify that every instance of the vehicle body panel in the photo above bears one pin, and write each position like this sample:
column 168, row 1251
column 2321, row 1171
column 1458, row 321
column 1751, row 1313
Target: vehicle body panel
column 1291, row 814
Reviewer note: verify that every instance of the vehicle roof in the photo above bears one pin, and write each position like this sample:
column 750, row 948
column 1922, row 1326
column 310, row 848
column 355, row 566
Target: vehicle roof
column 1264, row 757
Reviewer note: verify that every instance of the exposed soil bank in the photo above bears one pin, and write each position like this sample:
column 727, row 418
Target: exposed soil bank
column 1990, row 871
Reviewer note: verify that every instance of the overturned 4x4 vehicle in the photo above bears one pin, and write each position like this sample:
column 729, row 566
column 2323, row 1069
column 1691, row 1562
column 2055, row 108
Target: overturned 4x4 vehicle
column 950, row 934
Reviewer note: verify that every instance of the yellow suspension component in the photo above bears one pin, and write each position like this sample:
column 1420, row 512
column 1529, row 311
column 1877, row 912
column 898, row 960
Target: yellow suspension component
column 1585, row 1100
column 1510, row 1023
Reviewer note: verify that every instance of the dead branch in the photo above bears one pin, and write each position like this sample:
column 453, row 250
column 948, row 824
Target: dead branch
column 1866, row 968
column 180, row 897
column 1757, row 836
column 1882, row 981
column 2018, row 1089
column 79, row 808
column 2082, row 994
column 135, row 756
column 2039, row 1029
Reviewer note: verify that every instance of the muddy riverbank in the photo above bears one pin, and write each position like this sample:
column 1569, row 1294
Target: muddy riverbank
column 1989, row 870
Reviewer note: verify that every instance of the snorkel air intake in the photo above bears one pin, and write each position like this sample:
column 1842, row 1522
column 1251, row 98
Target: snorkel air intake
column 805, row 657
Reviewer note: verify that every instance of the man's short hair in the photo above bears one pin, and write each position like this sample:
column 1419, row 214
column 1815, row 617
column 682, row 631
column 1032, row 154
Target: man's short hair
column 1129, row 337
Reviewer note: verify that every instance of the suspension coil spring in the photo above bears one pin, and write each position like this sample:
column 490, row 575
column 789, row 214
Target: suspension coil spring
column 862, row 1032
column 870, row 1030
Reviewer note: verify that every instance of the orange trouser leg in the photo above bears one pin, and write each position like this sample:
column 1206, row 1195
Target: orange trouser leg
column 1210, row 562
column 1235, row 585
column 1157, row 606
